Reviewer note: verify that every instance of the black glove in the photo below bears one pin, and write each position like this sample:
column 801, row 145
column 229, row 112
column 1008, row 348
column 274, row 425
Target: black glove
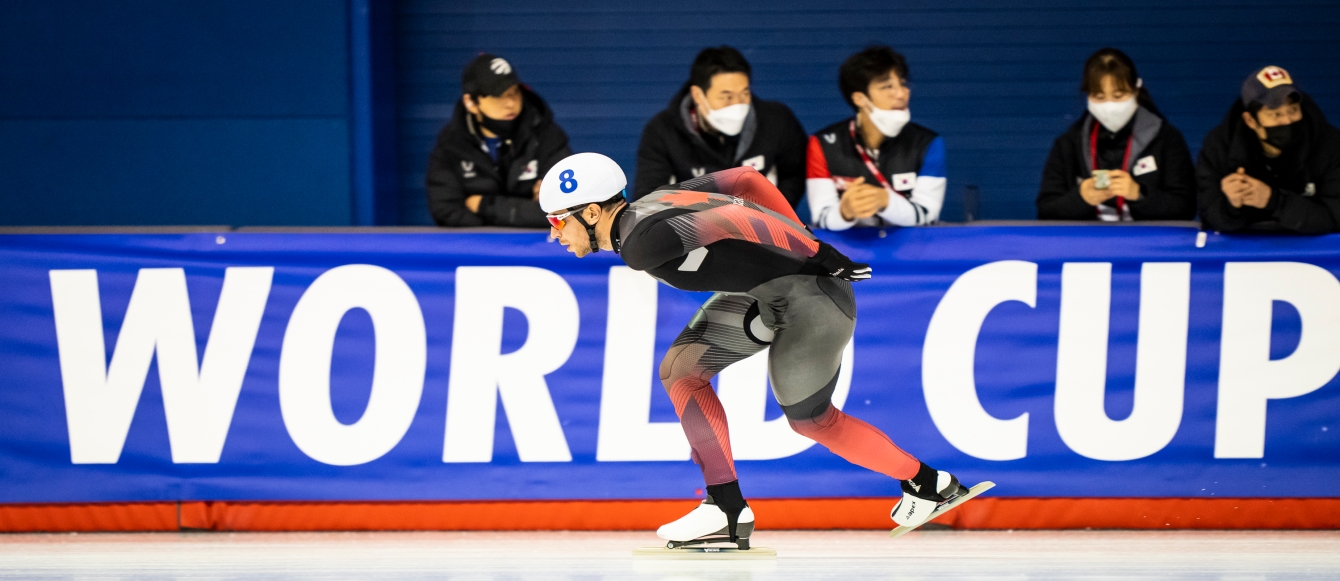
column 837, row 265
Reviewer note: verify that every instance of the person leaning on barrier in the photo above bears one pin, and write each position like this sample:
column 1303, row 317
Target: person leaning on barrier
column 876, row 168
column 486, row 166
column 1274, row 163
column 1122, row 160
column 715, row 123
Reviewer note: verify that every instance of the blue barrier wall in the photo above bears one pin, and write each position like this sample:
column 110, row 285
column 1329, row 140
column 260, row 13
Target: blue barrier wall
column 159, row 112
column 425, row 366
column 998, row 80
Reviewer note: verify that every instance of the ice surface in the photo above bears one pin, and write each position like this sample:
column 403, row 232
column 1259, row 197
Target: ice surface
column 591, row 556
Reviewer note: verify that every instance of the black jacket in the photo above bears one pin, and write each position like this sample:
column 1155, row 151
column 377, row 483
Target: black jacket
column 1305, row 181
column 672, row 150
column 1158, row 155
column 460, row 166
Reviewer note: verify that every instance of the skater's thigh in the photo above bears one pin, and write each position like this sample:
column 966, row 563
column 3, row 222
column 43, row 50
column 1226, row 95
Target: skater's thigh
column 814, row 329
column 715, row 338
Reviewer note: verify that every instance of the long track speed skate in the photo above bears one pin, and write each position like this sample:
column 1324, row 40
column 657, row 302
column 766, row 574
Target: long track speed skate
column 949, row 504
column 715, row 544
column 719, row 527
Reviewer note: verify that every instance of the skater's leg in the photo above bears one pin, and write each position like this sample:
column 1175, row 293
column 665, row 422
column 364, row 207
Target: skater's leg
column 854, row 440
column 813, row 318
column 716, row 337
column 713, row 339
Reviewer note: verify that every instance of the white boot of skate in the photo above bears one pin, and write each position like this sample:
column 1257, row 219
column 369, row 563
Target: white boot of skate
column 913, row 510
column 706, row 521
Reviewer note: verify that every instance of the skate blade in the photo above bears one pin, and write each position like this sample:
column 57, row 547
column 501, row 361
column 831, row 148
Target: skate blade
column 707, row 553
column 948, row 506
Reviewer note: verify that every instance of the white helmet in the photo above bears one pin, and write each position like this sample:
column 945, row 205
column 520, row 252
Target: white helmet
column 582, row 178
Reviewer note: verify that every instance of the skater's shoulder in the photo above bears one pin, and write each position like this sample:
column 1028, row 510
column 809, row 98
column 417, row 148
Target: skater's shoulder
column 677, row 200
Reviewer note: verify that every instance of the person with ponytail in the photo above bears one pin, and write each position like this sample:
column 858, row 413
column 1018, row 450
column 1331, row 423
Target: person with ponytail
column 1122, row 160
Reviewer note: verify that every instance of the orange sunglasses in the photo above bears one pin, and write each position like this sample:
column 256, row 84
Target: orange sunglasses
column 557, row 221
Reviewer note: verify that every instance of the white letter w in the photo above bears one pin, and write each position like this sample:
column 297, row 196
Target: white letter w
column 100, row 401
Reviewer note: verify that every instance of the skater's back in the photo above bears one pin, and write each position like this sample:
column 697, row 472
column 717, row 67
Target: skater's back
column 728, row 231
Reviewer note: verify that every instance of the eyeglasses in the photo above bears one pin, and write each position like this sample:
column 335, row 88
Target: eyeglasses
column 557, row 221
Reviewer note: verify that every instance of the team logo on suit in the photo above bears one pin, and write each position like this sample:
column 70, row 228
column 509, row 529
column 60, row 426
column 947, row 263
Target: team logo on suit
column 468, row 169
column 531, row 172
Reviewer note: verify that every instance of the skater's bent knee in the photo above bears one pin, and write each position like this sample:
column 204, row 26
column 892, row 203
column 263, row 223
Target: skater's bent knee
column 814, row 426
column 806, row 413
column 682, row 385
column 672, row 367
column 810, row 408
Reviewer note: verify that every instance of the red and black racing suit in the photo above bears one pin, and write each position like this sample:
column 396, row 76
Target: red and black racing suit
column 734, row 233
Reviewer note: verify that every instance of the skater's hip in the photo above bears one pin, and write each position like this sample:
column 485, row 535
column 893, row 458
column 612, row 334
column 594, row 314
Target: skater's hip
column 804, row 298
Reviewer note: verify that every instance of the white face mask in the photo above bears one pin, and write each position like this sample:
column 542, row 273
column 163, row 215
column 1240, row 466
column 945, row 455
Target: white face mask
column 1113, row 114
column 729, row 119
column 890, row 122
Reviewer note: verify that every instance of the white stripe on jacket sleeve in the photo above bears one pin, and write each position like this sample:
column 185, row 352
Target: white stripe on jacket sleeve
column 928, row 196
column 822, row 196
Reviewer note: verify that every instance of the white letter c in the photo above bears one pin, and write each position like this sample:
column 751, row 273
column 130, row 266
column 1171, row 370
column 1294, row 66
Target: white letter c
column 950, row 350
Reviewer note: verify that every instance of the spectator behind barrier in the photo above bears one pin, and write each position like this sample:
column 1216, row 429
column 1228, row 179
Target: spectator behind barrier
column 876, row 168
column 715, row 123
column 1122, row 160
column 486, row 167
column 1274, row 163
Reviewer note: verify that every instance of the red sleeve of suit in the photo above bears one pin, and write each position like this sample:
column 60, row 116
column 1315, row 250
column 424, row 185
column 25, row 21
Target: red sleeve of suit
column 816, row 165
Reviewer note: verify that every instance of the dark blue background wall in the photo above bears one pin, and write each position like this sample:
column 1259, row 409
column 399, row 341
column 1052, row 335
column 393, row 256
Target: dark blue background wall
column 164, row 112
column 279, row 113
column 999, row 80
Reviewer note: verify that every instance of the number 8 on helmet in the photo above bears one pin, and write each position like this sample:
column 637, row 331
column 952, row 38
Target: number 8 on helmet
column 577, row 180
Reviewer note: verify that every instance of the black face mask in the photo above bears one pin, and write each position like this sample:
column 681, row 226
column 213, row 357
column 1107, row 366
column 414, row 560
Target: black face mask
column 1282, row 136
column 499, row 127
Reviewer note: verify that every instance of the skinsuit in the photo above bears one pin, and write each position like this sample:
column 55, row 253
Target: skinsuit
column 776, row 285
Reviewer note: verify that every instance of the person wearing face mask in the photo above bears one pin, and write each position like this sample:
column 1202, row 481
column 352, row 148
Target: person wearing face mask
column 486, row 166
column 715, row 123
column 1273, row 164
column 1122, row 160
column 876, row 168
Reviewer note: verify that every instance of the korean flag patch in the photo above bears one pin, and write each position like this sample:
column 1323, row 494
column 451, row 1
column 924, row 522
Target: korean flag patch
column 904, row 181
column 1144, row 165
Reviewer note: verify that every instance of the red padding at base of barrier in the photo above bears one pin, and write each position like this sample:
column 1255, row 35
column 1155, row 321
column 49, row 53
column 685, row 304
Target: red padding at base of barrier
column 132, row 516
column 839, row 513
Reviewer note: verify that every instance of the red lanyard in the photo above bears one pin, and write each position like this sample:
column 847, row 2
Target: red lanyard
column 870, row 165
column 1126, row 158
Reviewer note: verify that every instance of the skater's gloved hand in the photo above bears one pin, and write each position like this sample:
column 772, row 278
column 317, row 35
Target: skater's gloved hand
column 838, row 265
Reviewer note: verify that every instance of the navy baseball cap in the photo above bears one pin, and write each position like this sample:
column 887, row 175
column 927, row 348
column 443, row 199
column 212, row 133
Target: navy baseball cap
column 488, row 75
column 1272, row 87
